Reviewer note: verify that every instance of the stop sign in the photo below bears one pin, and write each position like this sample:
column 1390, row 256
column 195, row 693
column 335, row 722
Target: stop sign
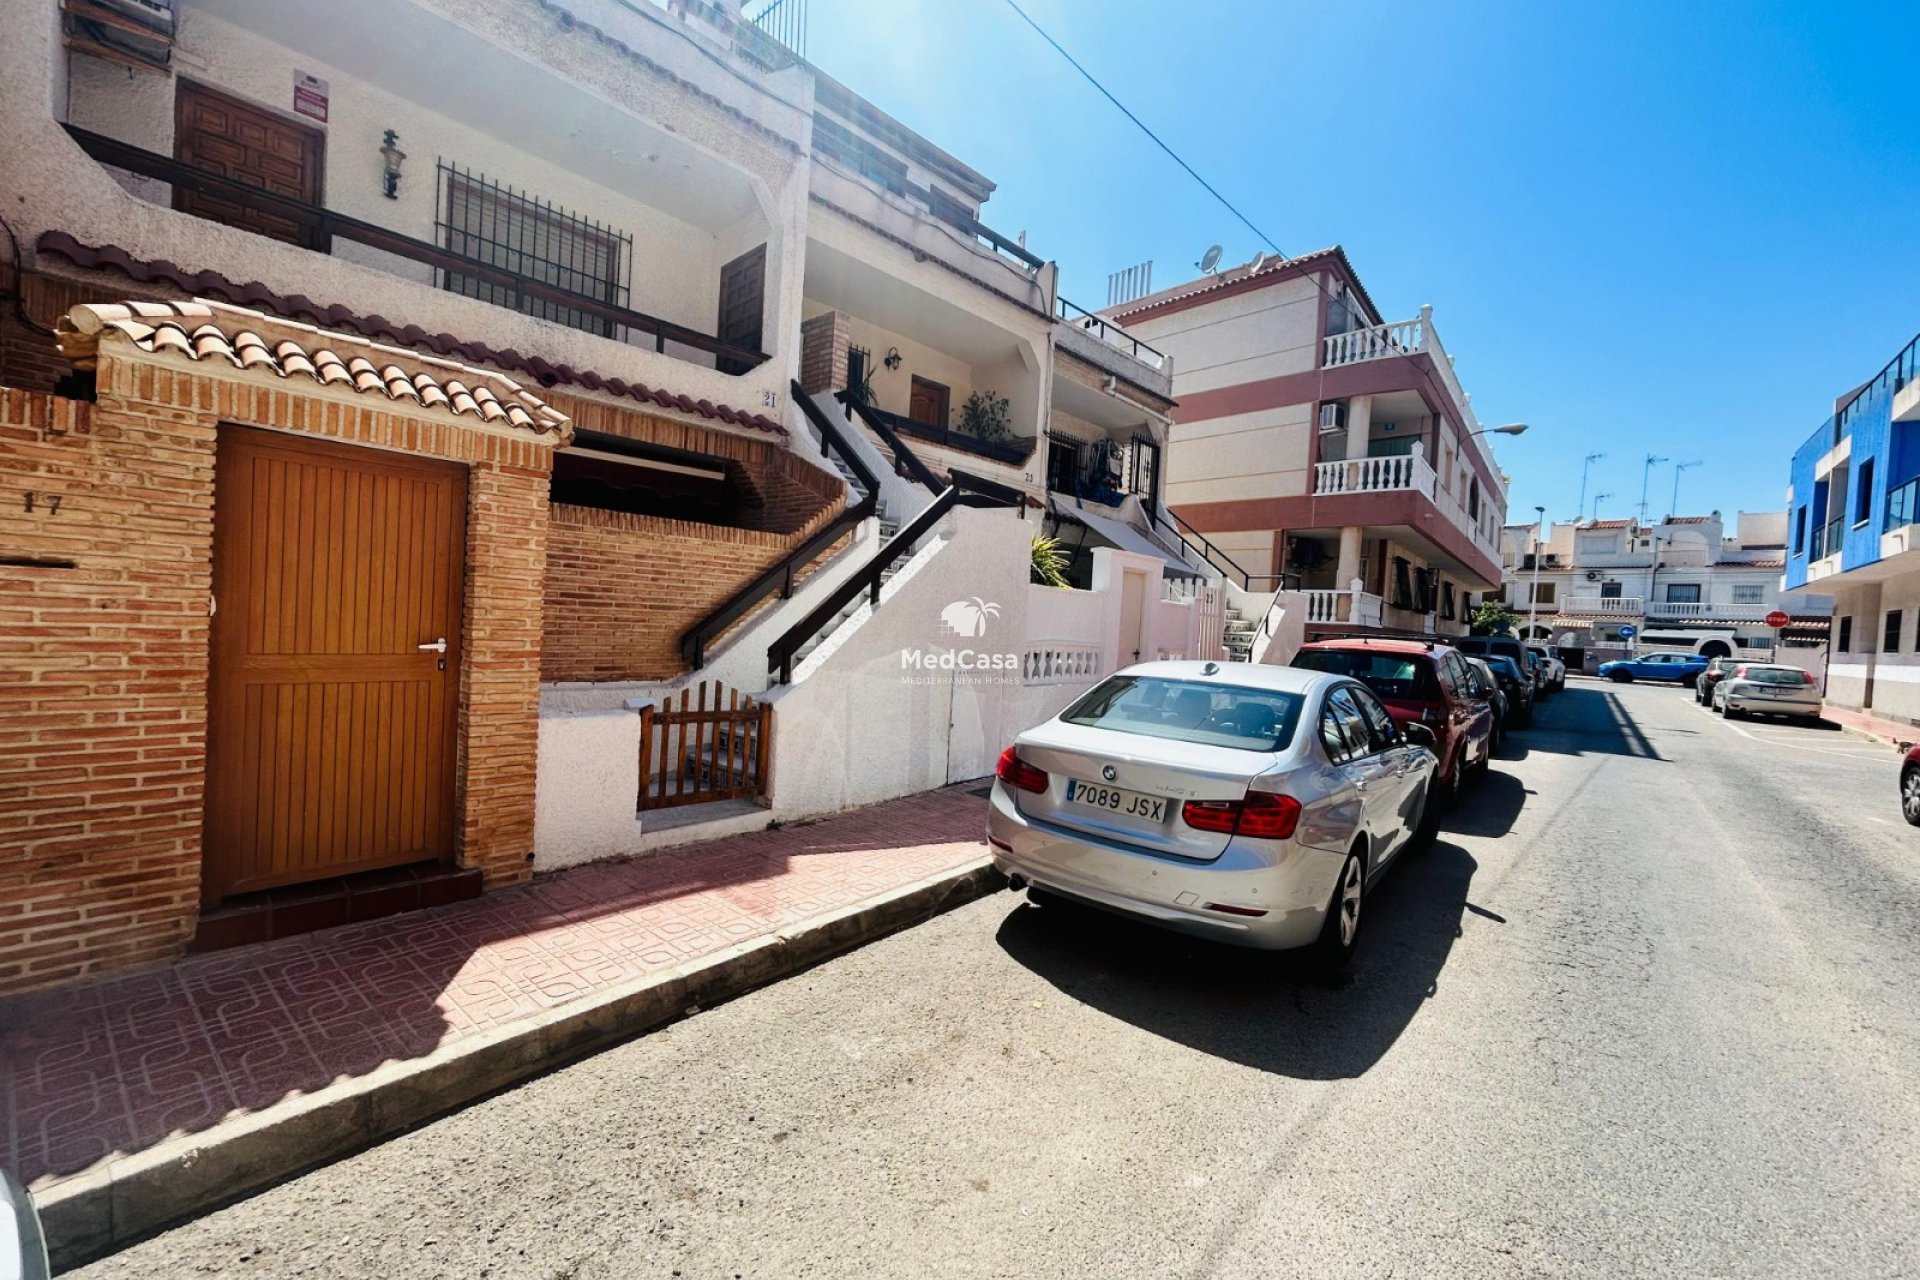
column 1777, row 619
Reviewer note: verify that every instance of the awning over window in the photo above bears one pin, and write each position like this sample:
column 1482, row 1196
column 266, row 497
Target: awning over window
column 1118, row 534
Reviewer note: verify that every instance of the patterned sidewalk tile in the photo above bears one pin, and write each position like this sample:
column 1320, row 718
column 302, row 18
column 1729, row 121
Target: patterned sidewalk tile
column 92, row 1071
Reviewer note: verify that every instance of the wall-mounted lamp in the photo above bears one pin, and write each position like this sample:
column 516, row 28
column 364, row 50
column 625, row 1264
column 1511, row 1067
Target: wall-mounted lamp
column 892, row 358
column 391, row 156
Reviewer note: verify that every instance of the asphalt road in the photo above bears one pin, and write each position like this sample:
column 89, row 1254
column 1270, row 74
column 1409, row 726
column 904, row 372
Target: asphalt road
column 1649, row 1007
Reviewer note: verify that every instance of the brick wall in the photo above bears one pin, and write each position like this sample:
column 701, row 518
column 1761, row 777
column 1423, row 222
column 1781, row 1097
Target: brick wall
column 823, row 352
column 103, row 666
column 28, row 358
column 622, row 588
column 786, row 490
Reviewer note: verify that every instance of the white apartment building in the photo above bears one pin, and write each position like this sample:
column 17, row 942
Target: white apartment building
column 1325, row 448
column 1688, row 582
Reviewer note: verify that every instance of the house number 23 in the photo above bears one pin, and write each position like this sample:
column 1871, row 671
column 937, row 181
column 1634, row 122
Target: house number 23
column 48, row 502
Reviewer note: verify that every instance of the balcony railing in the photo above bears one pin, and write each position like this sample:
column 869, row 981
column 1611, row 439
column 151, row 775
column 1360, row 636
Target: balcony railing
column 1827, row 540
column 1601, row 606
column 1374, row 475
column 1704, row 609
column 1108, row 332
column 1406, row 338
column 1014, row 452
column 320, row 227
column 1903, row 506
column 1361, row 608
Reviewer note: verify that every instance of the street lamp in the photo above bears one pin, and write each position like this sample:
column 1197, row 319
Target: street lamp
column 1510, row 429
column 1581, row 506
column 1533, row 598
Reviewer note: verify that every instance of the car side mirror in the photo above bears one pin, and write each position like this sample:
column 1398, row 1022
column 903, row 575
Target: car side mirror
column 1419, row 735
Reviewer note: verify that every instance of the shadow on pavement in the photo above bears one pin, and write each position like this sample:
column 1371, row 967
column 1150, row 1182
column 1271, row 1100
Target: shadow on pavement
column 1261, row 1009
column 1489, row 805
column 1584, row 721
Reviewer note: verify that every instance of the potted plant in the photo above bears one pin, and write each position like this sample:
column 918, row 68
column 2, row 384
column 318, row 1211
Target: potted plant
column 987, row 417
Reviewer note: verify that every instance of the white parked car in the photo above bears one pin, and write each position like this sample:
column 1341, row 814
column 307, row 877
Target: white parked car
column 1556, row 670
column 1760, row 688
column 1251, row 804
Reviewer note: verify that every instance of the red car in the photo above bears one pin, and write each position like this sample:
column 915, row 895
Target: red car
column 1421, row 682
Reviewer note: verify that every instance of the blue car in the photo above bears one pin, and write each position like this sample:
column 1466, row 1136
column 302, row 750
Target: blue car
column 1674, row 668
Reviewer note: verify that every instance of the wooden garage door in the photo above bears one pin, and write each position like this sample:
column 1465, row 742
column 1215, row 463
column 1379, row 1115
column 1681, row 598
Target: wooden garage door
column 331, row 743
column 238, row 140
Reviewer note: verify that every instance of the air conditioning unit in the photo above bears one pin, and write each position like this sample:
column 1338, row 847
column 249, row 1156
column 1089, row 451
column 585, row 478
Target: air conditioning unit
column 1333, row 417
column 1593, row 575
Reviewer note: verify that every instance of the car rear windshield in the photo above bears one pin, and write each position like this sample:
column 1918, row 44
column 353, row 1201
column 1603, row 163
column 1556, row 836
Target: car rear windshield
column 1504, row 665
column 1774, row 675
column 1405, row 676
column 1216, row 715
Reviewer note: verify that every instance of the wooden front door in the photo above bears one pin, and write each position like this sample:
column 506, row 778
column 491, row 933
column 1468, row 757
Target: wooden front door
column 927, row 402
column 743, row 290
column 240, row 141
column 337, row 573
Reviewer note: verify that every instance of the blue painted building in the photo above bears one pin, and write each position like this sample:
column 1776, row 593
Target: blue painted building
column 1853, row 532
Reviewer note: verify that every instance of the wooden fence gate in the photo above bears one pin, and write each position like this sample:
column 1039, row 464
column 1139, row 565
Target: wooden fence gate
column 699, row 752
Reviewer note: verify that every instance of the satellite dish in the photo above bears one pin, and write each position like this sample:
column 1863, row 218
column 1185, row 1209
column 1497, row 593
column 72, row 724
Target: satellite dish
column 1259, row 261
column 1210, row 259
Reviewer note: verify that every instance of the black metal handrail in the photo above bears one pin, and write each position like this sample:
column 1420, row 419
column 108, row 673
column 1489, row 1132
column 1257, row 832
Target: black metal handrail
column 965, row 490
column 323, row 226
column 947, row 437
column 1089, row 321
column 905, row 461
column 780, row 575
column 1211, row 554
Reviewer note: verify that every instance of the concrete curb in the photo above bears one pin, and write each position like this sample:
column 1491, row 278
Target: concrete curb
column 90, row 1215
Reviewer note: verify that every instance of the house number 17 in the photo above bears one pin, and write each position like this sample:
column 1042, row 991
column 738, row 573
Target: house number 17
column 50, row 502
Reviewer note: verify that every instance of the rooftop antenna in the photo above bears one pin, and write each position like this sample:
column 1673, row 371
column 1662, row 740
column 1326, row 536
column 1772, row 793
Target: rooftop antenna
column 1210, row 259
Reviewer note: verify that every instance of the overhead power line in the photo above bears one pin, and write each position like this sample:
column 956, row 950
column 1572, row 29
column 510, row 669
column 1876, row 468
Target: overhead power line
column 1142, row 126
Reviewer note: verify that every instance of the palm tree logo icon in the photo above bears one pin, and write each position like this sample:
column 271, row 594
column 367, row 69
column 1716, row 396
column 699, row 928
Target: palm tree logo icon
column 968, row 617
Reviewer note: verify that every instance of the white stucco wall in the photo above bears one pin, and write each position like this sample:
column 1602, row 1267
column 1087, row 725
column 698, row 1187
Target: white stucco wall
column 1264, row 333
column 859, row 728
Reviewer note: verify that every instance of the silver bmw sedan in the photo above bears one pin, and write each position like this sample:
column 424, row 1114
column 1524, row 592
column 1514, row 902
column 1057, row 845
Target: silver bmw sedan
column 1251, row 804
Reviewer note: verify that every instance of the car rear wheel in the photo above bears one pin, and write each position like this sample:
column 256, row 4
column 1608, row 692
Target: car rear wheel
column 1621, row 677
column 1910, row 795
column 1341, row 931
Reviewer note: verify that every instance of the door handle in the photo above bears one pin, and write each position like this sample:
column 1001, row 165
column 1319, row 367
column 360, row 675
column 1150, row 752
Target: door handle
column 438, row 646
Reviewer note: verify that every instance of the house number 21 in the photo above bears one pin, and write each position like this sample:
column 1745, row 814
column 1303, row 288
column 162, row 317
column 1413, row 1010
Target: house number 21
column 49, row 502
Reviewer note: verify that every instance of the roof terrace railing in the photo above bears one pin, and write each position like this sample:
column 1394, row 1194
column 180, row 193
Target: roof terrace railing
column 1108, row 332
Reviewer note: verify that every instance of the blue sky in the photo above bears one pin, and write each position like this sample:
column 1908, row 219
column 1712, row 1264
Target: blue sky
column 1677, row 228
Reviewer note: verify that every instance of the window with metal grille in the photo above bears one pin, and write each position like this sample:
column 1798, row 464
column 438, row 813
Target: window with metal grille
column 534, row 242
column 1750, row 593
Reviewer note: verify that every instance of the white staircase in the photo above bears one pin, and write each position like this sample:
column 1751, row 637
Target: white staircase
column 1237, row 635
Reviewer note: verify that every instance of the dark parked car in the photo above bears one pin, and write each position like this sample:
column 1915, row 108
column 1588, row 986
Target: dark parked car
column 1910, row 786
column 1507, row 647
column 1717, row 670
column 1519, row 690
column 1489, row 687
column 1421, row 683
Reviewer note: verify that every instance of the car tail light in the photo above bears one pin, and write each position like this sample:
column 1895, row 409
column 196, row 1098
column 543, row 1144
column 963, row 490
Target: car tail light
column 1806, row 677
column 1262, row 815
column 1016, row 772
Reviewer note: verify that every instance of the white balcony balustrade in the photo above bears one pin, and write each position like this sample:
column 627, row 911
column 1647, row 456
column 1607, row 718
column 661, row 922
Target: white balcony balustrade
column 1360, row 608
column 1375, row 475
column 1684, row 609
column 1601, row 606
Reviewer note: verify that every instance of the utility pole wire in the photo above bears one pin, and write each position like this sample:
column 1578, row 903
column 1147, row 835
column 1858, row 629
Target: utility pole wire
column 1141, row 125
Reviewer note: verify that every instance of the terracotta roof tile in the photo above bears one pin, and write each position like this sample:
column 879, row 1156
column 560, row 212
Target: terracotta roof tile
column 1267, row 264
column 219, row 332
column 1691, row 519
column 300, row 308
